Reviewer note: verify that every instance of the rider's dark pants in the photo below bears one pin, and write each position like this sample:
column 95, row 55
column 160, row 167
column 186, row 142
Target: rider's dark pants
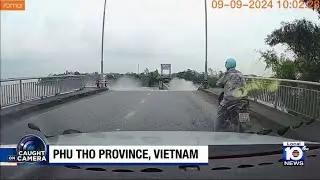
column 219, row 124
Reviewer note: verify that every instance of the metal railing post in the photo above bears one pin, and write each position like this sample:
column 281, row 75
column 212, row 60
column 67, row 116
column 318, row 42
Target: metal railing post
column 57, row 86
column 284, row 95
column 20, row 91
column 82, row 82
column 276, row 99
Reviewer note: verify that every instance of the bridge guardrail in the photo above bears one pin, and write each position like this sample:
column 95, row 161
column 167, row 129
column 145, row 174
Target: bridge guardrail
column 300, row 98
column 19, row 90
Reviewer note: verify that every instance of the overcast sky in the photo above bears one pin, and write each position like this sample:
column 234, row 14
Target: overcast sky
column 53, row 36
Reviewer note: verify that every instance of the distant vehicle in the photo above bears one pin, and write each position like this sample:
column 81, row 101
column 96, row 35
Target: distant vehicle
column 101, row 82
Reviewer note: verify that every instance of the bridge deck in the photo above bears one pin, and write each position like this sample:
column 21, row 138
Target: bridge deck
column 152, row 110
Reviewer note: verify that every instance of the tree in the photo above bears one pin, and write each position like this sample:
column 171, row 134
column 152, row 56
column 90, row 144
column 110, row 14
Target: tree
column 153, row 78
column 302, row 37
column 191, row 75
column 211, row 72
column 146, row 71
column 282, row 67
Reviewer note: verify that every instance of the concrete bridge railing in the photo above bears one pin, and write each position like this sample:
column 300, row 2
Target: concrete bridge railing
column 19, row 90
column 301, row 98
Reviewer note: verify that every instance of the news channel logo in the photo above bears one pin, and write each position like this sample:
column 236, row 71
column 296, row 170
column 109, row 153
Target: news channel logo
column 31, row 149
column 294, row 153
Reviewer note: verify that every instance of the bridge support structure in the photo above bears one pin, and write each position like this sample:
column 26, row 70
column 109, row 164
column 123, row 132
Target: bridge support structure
column 165, row 79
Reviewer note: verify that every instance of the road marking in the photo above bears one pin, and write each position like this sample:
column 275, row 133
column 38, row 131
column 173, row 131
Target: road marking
column 130, row 114
column 148, row 94
column 142, row 101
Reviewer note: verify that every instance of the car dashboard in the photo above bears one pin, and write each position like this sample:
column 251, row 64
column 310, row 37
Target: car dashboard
column 225, row 162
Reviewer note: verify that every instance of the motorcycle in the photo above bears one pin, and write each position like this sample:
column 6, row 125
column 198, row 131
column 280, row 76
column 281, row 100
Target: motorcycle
column 236, row 115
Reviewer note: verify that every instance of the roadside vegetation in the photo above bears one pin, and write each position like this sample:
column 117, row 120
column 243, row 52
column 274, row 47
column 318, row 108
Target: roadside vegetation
column 301, row 61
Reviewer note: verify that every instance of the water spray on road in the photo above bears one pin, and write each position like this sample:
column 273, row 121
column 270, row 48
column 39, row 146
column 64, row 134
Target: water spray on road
column 128, row 84
column 177, row 84
column 131, row 84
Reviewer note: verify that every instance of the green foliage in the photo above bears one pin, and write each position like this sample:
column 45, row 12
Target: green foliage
column 282, row 67
column 153, row 78
column 190, row 75
column 301, row 37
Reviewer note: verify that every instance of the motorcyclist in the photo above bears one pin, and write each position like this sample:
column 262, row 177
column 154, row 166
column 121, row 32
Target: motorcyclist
column 231, row 81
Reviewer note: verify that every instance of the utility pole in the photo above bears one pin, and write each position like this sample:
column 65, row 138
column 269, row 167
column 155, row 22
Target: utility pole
column 205, row 82
column 102, row 40
column 138, row 69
